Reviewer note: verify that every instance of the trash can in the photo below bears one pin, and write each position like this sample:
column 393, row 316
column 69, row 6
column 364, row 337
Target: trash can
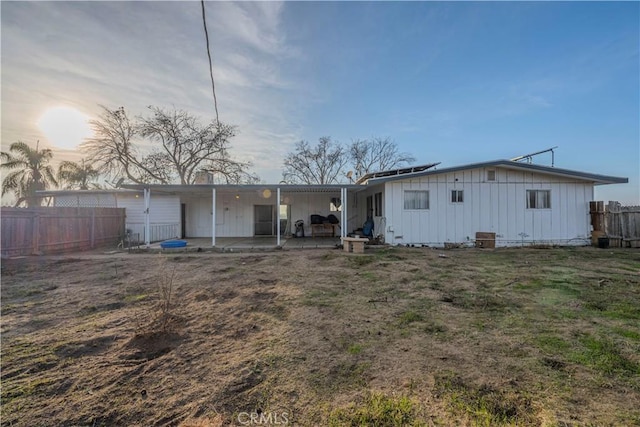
column 603, row 242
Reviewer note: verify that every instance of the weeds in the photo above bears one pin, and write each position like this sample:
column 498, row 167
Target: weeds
column 604, row 356
column 433, row 327
column 552, row 344
column 485, row 405
column 341, row 376
column 600, row 354
column 135, row 297
column 321, row 298
column 377, row 410
column 535, row 337
column 354, row 349
column 369, row 276
column 409, row 317
column 362, row 260
column 622, row 311
column 628, row 333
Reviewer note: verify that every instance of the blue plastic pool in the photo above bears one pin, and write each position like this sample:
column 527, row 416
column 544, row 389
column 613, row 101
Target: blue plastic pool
column 173, row 244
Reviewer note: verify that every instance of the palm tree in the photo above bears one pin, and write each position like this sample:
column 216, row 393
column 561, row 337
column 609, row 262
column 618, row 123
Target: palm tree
column 77, row 176
column 30, row 172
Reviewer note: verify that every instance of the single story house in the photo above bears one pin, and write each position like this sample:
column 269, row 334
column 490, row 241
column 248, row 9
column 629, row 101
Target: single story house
column 522, row 203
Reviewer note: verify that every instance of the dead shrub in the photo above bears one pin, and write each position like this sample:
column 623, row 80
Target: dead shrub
column 162, row 316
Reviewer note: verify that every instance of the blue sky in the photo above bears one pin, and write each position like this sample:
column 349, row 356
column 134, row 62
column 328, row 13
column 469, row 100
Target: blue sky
column 450, row 82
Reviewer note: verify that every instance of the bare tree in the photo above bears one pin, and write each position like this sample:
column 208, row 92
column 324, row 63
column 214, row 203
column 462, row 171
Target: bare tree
column 320, row 164
column 231, row 173
column 170, row 146
column 189, row 146
column 113, row 151
column 377, row 154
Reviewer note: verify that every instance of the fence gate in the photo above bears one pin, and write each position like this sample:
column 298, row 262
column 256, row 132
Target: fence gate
column 621, row 224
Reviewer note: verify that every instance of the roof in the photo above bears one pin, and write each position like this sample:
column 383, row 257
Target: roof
column 401, row 171
column 201, row 188
column 369, row 179
column 509, row 164
column 204, row 188
column 47, row 193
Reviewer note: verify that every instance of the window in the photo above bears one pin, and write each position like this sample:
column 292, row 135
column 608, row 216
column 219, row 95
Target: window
column 284, row 212
column 491, row 175
column 538, row 199
column 335, row 205
column 416, row 199
column 378, row 204
column 456, row 196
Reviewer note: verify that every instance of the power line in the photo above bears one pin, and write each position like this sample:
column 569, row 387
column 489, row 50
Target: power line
column 213, row 85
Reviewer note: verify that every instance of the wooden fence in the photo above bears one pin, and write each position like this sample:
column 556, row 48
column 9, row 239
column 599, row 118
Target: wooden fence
column 622, row 225
column 27, row 231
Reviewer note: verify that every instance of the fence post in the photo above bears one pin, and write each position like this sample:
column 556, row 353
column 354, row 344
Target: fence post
column 35, row 228
column 596, row 210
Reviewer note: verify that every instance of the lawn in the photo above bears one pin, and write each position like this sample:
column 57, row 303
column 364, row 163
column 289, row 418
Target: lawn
column 397, row 336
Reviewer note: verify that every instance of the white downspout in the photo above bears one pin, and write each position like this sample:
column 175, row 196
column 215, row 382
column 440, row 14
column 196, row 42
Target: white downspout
column 278, row 215
column 213, row 217
column 147, row 221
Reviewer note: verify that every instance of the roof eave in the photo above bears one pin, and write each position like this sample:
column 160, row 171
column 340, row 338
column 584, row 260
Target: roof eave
column 50, row 193
column 199, row 188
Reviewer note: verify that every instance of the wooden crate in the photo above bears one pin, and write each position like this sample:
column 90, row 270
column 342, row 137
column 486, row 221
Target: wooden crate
column 323, row 230
column 354, row 244
column 485, row 240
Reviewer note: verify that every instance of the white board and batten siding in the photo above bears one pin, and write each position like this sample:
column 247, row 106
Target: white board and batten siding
column 303, row 205
column 164, row 216
column 498, row 206
column 235, row 215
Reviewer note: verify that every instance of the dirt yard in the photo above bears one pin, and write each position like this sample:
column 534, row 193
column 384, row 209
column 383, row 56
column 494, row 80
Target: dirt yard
column 397, row 336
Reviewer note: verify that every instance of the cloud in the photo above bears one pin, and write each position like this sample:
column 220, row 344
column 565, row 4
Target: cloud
column 136, row 54
column 251, row 25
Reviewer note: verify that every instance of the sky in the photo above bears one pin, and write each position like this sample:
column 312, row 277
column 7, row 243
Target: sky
column 450, row 82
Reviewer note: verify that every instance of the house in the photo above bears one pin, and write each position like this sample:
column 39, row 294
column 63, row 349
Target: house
column 522, row 203
column 519, row 202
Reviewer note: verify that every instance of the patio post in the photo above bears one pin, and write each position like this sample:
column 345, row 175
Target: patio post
column 147, row 221
column 346, row 212
column 213, row 217
column 278, row 215
column 343, row 220
column 341, row 211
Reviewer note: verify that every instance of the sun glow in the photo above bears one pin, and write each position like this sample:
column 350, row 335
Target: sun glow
column 65, row 127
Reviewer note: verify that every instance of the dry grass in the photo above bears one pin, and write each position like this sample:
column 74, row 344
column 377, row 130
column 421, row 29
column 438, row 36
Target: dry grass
column 398, row 336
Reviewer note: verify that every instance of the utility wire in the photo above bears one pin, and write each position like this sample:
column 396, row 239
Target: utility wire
column 213, row 85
